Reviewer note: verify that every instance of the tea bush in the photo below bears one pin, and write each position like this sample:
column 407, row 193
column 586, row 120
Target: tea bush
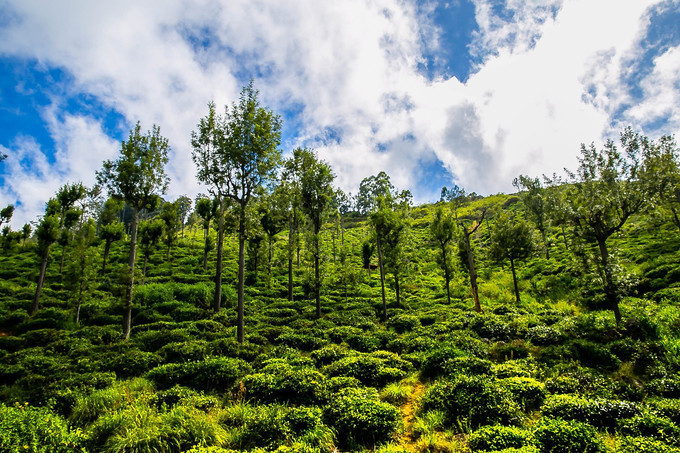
column 285, row 385
column 361, row 418
column 561, row 436
column 498, row 438
column 597, row 412
column 469, row 402
column 209, row 374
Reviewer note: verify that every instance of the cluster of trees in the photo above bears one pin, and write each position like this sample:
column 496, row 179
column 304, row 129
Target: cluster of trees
column 256, row 194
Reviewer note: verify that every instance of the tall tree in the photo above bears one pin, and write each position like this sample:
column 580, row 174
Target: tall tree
column 273, row 218
column 370, row 189
column 47, row 234
column 80, row 277
column 110, row 228
column 467, row 227
column 206, row 209
column 533, row 198
column 26, row 231
column 511, row 240
column 6, row 214
column 235, row 155
column 170, row 215
column 291, row 188
column 184, row 208
column 316, row 194
column 607, row 188
column 67, row 196
column 137, row 177
column 443, row 231
column 150, row 233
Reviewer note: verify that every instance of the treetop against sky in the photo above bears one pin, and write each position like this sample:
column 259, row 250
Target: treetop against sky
column 432, row 92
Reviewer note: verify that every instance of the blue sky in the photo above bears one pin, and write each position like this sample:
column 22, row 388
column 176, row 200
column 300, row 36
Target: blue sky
column 432, row 92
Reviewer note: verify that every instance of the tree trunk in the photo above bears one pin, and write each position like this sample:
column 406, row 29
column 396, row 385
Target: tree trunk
column 127, row 310
column 41, row 281
column 78, row 313
column 611, row 295
column 291, row 245
column 107, row 248
column 217, row 301
column 317, row 274
column 545, row 244
column 61, row 263
column 206, row 247
column 473, row 272
column 146, row 259
column 514, row 280
column 396, row 288
column 382, row 278
column 447, row 276
column 564, row 237
column 240, row 327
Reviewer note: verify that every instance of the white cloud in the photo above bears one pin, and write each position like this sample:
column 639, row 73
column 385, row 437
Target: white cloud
column 549, row 80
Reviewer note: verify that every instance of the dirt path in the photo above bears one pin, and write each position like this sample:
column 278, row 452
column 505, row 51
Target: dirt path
column 409, row 416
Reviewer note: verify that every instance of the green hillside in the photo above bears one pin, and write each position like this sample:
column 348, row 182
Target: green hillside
column 552, row 373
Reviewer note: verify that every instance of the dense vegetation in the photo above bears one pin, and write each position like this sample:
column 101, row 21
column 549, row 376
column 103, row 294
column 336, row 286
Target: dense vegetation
column 290, row 317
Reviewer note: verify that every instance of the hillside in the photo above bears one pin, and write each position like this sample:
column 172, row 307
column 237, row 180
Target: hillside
column 552, row 373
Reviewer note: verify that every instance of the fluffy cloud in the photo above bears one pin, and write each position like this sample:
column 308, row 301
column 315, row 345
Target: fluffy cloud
column 346, row 74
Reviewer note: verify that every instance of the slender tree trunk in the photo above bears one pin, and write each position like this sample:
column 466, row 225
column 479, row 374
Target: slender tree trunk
column 447, row 276
column 514, row 279
column 41, row 281
column 127, row 310
column 396, row 288
column 78, row 313
column 382, row 278
column 146, row 259
column 473, row 272
column 564, row 237
column 240, row 327
column 107, row 248
column 217, row 301
column 269, row 261
column 61, row 263
column 206, row 246
column 317, row 273
column 291, row 245
column 545, row 244
column 609, row 288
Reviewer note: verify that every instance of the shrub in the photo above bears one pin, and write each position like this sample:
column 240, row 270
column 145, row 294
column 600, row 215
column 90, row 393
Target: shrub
column 199, row 295
column 667, row 387
column 286, row 385
column 153, row 294
column 210, row 374
column 598, row 412
column 369, row 370
column 36, row 429
column 434, row 363
column 361, row 418
column 544, row 335
column 328, row 354
column 470, row 402
column 561, row 436
column 132, row 362
column 650, row 425
column 184, row 396
column 666, row 408
column 527, row 392
column 491, row 327
column 184, row 351
column 498, row 437
column 300, row 341
column 644, row 445
column 404, row 323
column 89, row 408
column 594, row 355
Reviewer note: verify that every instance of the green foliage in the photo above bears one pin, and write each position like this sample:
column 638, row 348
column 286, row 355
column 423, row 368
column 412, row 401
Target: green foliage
column 362, row 418
column 597, row 412
column 216, row 373
column 36, row 429
column 285, row 384
column 469, row 402
column 497, row 437
column 560, row 436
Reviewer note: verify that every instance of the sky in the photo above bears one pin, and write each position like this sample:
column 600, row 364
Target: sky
column 435, row 93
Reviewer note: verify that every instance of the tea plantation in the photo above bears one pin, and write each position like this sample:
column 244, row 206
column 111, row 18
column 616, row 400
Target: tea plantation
column 553, row 372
